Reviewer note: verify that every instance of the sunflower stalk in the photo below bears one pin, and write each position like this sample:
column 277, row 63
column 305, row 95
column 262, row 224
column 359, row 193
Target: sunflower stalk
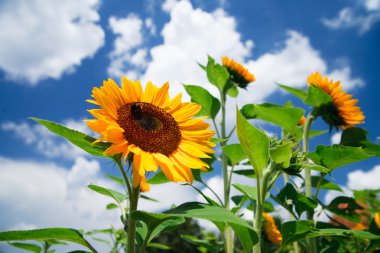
column 133, row 201
column 311, row 243
column 228, row 233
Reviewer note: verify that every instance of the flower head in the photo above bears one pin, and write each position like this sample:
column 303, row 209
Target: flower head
column 156, row 130
column 239, row 74
column 377, row 219
column 343, row 111
column 271, row 230
column 302, row 121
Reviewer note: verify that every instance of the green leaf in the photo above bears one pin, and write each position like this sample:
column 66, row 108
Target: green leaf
column 248, row 173
column 317, row 97
column 281, row 154
column 217, row 74
column 148, row 198
column 210, row 105
column 158, row 246
column 283, row 116
column 357, row 137
column 233, row 91
column 249, row 191
column 345, row 207
column 337, row 156
column 254, row 142
column 243, row 230
column 319, row 168
column 290, row 198
column 301, row 94
column 63, row 234
column 343, row 232
column 325, row 184
column 118, row 180
column 118, row 196
column 27, row 246
column 295, row 230
column 314, row 133
column 235, row 153
column 111, row 206
column 158, row 178
column 209, row 245
column 79, row 139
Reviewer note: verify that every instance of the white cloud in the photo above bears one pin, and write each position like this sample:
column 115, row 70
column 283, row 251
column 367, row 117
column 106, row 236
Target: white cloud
column 360, row 180
column 169, row 5
column 335, row 138
column 330, row 195
column 349, row 17
column 188, row 37
column 44, row 141
column 46, row 195
column 126, row 57
column 372, row 5
column 45, row 39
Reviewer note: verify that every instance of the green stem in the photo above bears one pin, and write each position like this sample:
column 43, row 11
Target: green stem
column 145, row 243
column 317, row 189
column 228, row 233
column 216, row 128
column 311, row 243
column 133, row 200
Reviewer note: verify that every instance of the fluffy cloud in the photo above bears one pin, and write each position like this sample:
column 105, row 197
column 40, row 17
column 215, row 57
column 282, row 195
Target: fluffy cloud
column 335, row 138
column 188, row 37
column 126, row 53
column 360, row 180
column 362, row 18
column 46, row 142
column 45, row 39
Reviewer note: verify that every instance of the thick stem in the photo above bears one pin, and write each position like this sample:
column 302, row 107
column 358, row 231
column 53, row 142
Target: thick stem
column 133, row 200
column 228, row 233
column 311, row 243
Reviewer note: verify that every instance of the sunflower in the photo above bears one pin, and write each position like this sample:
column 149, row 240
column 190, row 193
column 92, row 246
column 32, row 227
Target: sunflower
column 376, row 218
column 271, row 230
column 156, row 130
column 239, row 74
column 342, row 111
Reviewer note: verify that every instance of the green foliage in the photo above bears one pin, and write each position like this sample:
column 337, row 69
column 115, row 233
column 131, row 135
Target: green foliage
column 27, row 246
column 79, row 139
column 281, row 154
column 301, row 94
column 217, row 75
column 62, row 234
column 316, row 97
column 254, row 142
column 210, row 104
column 247, row 190
column 289, row 198
column 235, row 153
column 345, row 207
column 295, row 230
column 325, row 184
column 283, row 116
column 357, row 137
column 117, row 196
column 337, row 156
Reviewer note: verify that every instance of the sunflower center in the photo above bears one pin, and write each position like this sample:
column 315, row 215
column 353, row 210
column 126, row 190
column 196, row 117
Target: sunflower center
column 149, row 127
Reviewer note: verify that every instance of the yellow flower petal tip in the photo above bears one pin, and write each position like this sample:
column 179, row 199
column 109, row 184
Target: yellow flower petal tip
column 158, row 131
column 271, row 230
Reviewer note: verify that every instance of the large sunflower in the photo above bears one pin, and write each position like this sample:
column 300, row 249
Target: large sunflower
column 343, row 111
column 157, row 130
column 239, row 74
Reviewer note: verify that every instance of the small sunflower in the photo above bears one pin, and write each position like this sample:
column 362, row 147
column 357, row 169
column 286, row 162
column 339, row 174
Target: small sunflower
column 302, row 121
column 239, row 74
column 271, row 230
column 343, row 111
column 157, row 130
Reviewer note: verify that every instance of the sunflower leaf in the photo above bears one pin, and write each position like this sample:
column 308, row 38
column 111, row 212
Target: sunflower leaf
column 325, row 184
column 217, row 74
column 62, row 234
column 301, row 94
column 79, row 139
column 117, row 196
column 283, row 116
column 254, row 142
column 295, row 230
column 27, row 246
column 235, row 153
column 317, row 97
column 210, row 104
column 336, row 156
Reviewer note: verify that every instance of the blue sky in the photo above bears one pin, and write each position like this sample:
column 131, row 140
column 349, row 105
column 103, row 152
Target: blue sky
column 53, row 53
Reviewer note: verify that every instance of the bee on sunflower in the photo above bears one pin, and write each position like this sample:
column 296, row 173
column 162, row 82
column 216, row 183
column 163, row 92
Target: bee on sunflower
column 156, row 130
